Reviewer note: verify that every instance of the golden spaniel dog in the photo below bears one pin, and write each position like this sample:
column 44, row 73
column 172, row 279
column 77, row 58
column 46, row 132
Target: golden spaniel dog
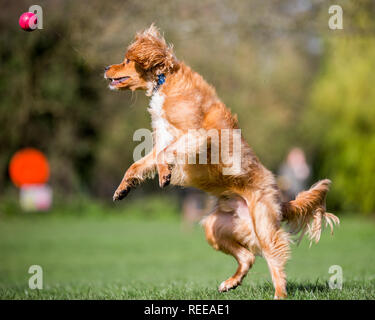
column 249, row 213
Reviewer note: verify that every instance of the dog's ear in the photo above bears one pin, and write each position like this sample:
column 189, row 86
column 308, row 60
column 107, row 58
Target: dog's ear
column 150, row 50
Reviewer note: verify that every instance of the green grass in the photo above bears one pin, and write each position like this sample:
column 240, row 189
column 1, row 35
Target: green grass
column 118, row 256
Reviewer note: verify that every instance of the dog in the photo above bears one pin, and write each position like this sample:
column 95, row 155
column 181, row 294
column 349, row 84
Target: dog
column 249, row 214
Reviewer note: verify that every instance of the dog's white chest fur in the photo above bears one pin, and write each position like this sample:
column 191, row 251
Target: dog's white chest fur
column 162, row 128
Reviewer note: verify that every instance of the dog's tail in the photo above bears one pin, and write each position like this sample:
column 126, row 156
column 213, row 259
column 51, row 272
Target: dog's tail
column 307, row 213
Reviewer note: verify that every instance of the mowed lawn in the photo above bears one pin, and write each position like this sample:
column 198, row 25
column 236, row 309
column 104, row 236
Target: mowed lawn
column 117, row 256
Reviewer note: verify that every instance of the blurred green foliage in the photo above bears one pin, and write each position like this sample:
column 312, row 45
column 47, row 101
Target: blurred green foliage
column 291, row 80
column 343, row 113
column 343, row 104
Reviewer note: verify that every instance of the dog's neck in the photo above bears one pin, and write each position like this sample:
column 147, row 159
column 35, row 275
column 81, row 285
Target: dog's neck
column 155, row 84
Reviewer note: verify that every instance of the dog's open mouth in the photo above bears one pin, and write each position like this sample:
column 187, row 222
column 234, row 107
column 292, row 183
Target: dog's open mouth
column 116, row 81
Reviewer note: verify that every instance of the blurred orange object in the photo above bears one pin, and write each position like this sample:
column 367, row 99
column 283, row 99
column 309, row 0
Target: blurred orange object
column 28, row 166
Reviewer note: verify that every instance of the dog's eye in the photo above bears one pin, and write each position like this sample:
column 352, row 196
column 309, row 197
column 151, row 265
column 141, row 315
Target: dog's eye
column 127, row 61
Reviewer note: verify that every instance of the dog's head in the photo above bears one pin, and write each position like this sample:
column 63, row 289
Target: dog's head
column 146, row 58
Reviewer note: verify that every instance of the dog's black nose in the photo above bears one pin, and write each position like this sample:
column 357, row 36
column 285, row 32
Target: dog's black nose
column 106, row 68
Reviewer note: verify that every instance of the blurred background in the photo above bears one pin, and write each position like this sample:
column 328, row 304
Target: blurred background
column 304, row 95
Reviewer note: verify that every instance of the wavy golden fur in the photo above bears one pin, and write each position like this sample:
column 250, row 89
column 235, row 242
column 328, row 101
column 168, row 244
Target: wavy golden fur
column 247, row 219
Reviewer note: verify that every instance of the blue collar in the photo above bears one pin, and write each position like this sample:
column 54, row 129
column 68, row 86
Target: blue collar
column 161, row 79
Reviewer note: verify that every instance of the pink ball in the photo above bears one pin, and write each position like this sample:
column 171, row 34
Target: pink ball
column 28, row 21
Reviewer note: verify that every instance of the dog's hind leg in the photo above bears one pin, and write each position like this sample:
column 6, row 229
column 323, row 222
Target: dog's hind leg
column 245, row 260
column 274, row 242
column 276, row 260
column 276, row 265
column 222, row 234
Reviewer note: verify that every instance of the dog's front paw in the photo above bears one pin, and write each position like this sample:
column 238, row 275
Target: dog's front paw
column 121, row 193
column 165, row 180
column 165, row 174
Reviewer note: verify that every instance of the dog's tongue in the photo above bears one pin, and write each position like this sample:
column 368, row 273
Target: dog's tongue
column 116, row 81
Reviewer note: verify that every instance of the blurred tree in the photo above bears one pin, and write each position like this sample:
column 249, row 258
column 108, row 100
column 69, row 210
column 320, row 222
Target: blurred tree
column 341, row 120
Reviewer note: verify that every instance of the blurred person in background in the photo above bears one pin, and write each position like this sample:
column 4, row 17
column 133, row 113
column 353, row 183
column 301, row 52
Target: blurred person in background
column 194, row 204
column 294, row 174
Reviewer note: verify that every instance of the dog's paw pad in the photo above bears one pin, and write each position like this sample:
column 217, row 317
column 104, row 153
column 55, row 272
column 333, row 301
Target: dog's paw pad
column 165, row 181
column 121, row 194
